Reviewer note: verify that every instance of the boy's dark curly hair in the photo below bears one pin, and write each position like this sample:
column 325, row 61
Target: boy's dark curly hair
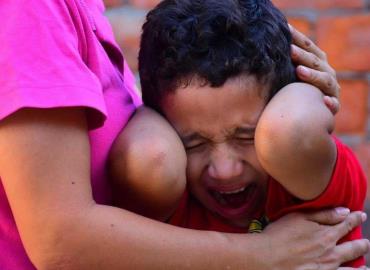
column 213, row 40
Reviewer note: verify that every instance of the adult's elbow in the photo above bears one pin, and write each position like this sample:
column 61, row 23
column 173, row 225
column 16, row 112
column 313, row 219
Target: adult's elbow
column 58, row 246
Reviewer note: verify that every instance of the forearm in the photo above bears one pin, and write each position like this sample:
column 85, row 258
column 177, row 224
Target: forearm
column 293, row 140
column 109, row 238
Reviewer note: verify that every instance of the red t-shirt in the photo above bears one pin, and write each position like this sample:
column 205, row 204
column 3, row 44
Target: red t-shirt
column 191, row 214
column 347, row 188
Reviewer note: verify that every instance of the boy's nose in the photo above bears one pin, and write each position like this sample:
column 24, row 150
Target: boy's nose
column 224, row 165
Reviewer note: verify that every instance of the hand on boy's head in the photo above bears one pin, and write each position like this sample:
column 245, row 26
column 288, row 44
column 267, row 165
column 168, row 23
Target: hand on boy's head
column 313, row 68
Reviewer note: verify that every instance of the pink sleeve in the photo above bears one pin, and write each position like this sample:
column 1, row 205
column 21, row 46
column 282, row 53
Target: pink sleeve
column 41, row 58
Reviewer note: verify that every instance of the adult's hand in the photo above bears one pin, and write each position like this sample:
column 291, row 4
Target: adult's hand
column 308, row 241
column 313, row 68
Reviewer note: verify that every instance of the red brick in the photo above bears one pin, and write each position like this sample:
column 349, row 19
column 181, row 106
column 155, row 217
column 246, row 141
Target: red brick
column 352, row 117
column 113, row 3
column 301, row 24
column 318, row 4
column 146, row 4
column 346, row 40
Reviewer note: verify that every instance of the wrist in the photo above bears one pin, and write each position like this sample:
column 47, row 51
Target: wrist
column 250, row 251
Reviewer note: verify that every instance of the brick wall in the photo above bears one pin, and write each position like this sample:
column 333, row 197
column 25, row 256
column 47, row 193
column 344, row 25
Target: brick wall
column 340, row 27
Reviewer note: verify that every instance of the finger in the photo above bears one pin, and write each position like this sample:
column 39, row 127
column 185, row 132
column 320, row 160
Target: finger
column 322, row 80
column 305, row 43
column 330, row 216
column 310, row 60
column 351, row 250
column 353, row 220
column 332, row 103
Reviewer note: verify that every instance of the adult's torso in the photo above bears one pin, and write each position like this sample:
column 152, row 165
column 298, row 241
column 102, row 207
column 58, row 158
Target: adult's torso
column 111, row 105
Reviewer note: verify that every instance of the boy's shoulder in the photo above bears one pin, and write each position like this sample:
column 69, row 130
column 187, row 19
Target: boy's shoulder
column 347, row 188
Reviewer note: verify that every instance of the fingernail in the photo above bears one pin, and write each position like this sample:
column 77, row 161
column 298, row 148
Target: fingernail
column 294, row 51
column 304, row 71
column 330, row 100
column 342, row 211
column 290, row 26
column 363, row 217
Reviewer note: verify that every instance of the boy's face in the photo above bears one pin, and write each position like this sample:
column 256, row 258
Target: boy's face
column 217, row 128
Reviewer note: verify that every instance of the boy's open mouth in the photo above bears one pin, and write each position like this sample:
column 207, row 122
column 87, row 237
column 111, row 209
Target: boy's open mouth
column 235, row 199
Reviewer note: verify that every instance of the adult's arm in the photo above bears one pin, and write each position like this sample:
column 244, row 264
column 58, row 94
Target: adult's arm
column 293, row 140
column 44, row 166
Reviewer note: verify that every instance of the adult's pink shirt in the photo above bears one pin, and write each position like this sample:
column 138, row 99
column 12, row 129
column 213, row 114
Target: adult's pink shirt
column 62, row 53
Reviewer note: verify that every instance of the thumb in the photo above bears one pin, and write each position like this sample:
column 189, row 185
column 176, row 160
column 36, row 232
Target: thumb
column 329, row 216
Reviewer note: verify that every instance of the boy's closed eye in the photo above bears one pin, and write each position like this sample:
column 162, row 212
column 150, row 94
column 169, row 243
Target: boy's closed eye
column 245, row 135
column 194, row 145
column 245, row 140
column 193, row 141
